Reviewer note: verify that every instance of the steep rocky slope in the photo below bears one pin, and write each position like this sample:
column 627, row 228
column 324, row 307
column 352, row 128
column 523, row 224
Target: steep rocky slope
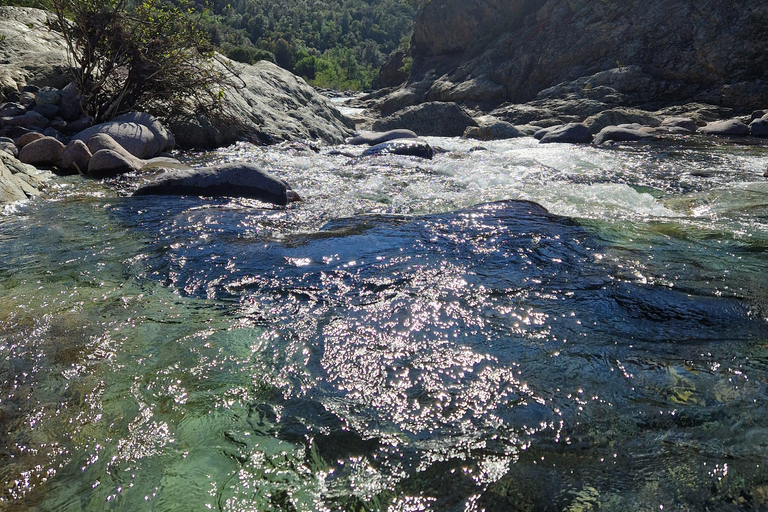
column 509, row 50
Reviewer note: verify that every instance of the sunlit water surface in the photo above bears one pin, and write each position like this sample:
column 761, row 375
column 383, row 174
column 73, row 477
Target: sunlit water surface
column 414, row 336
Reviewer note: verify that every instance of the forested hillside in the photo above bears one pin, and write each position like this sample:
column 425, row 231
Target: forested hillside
column 339, row 44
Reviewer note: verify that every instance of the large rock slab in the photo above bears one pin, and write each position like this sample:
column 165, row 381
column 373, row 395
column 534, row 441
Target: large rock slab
column 433, row 118
column 232, row 180
column 272, row 105
column 29, row 52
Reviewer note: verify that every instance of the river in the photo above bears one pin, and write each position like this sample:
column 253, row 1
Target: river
column 512, row 327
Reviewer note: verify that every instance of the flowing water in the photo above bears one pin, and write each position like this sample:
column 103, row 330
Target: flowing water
column 525, row 327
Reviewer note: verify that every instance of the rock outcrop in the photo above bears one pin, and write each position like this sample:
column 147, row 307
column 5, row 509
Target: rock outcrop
column 670, row 51
column 271, row 105
column 30, row 53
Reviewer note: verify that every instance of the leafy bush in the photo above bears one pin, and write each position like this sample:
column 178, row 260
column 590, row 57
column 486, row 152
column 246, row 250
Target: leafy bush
column 148, row 57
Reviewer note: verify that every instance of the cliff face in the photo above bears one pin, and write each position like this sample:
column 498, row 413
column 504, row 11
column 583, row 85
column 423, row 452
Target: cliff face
column 510, row 50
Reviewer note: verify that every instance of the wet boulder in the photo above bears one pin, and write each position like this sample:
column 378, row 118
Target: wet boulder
column 406, row 147
column 620, row 134
column 373, row 138
column 573, row 133
column 231, row 180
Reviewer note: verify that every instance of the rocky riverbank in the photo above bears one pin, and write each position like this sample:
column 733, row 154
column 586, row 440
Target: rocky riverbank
column 41, row 126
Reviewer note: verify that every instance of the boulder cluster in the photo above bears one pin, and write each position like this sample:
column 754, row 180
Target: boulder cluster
column 565, row 114
column 41, row 127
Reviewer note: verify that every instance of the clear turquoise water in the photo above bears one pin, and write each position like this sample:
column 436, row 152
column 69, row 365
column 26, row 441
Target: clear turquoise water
column 415, row 335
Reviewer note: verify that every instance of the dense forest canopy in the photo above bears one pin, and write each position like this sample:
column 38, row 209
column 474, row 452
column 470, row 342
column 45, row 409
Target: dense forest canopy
column 337, row 44
column 331, row 43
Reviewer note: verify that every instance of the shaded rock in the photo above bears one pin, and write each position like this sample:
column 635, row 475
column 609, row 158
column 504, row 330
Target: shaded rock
column 575, row 133
column 406, row 147
column 28, row 137
column 727, row 128
column 372, row 138
column 619, row 116
column 106, row 163
column 232, row 180
column 392, row 73
column 398, row 100
column 138, row 133
column 52, row 132
column 70, row 104
column 620, row 134
column 759, row 128
column 12, row 109
column 31, row 120
column 75, row 157
column 80, row 124
column 686, row 123
column 436, row 119
column 472, row 89
column 48, row 96
column 672, row 51
column 492, row 129
column 758, row 114
column 607, row 87
column 44, row 151
column 48, row 110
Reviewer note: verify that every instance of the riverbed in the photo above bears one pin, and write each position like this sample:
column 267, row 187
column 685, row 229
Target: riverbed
column 508, row 326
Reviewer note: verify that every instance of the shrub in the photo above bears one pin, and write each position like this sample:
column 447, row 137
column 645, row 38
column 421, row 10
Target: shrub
column 150, row 57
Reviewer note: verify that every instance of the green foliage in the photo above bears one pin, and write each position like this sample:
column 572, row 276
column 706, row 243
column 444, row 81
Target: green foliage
column 316, row 39
column 139, row 56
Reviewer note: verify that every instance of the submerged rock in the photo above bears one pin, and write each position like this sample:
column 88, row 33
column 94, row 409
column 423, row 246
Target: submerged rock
column 231, row 180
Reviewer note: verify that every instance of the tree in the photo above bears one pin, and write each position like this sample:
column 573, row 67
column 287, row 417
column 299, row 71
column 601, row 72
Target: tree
column 148, row 57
